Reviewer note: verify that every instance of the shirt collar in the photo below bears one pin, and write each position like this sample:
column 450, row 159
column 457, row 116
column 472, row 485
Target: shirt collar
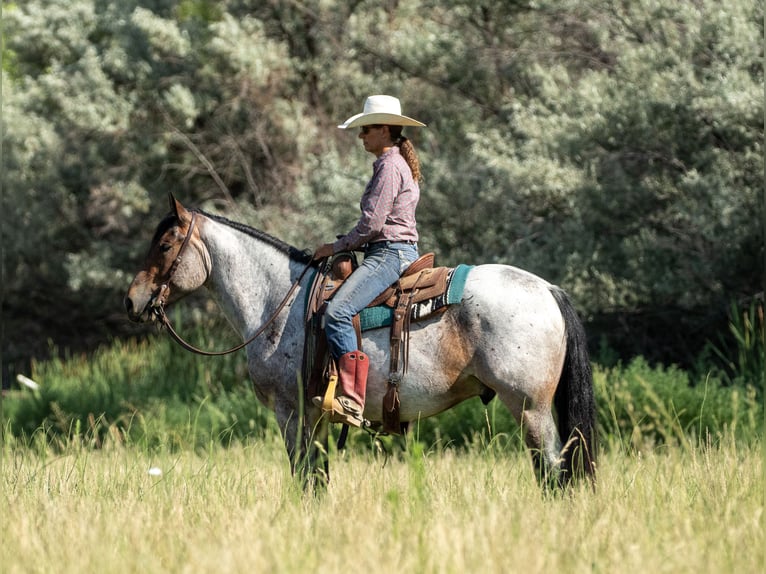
column 393, row 150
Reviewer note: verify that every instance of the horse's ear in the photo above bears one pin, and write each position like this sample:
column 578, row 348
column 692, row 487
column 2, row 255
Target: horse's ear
column 179, row 210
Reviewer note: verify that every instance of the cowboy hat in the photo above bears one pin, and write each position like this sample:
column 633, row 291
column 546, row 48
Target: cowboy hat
column 383, row 110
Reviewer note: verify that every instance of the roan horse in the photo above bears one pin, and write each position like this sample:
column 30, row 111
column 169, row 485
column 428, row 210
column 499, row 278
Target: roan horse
column 513, row 334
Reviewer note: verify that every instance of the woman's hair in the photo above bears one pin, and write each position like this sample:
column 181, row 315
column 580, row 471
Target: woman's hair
column 407, row 150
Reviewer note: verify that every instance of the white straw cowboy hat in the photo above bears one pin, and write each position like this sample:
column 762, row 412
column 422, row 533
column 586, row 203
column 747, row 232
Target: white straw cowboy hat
column 383, row 110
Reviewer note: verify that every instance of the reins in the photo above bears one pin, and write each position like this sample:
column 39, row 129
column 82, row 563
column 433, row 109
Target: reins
column 158, row 305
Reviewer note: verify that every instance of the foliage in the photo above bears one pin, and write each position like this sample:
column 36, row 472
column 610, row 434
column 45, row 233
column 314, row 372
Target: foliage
column 152, row 393
column 640, row 406
column 743, row 353
column 617, row 175
column 146, row 393
column 610, row 147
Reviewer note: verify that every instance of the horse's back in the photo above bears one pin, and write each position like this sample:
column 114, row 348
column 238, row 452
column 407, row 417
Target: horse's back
column 505, row 276
column 512, row 293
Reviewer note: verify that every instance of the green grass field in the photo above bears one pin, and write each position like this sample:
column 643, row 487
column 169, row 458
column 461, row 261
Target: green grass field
column 671, row 509
column 140, row 458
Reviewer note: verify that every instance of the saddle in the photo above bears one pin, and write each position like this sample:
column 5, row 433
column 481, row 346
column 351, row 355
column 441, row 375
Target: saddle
column 420, row 282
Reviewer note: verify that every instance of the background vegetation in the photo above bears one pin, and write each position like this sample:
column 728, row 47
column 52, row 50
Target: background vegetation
column 613, row 148
column 152, row 394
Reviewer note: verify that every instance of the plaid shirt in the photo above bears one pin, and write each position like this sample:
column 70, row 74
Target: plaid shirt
column 388, row 205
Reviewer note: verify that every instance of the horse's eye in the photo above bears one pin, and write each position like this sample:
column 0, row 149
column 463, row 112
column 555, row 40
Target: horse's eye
column 165, row 247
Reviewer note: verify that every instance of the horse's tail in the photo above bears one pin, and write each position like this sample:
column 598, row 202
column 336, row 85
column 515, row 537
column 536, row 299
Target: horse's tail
column 574, row 400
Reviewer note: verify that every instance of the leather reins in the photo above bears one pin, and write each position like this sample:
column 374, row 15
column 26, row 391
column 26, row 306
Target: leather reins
column 158, row 304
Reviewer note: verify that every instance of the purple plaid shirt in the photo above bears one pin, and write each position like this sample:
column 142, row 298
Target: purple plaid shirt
column 388, row 205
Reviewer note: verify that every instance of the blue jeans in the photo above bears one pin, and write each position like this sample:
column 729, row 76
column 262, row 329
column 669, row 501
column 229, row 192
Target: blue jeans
column 383, row 264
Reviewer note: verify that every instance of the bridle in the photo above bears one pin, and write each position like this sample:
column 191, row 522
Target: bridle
column 160, row 299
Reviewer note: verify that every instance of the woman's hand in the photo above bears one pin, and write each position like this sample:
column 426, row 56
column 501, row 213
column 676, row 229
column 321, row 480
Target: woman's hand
column 324, row 250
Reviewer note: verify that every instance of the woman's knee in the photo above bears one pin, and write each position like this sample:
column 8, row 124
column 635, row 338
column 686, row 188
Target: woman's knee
column 336, row 313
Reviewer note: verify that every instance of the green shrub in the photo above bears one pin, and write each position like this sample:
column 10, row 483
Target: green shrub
column 640, row 405
column 743, row 352
column 154, row 394
column 150, row 392
column 467, row 425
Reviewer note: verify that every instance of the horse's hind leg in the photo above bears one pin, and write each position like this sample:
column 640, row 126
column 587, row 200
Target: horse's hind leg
column 542, row 438
column 540, row 435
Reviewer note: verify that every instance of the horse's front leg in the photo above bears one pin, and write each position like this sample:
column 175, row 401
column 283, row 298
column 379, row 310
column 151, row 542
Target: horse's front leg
column 315, row 469
column 306, row 440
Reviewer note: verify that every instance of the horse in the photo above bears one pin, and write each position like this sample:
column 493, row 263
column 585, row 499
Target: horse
column 514, row 336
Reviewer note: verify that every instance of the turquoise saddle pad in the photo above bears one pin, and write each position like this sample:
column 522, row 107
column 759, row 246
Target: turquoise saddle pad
column 377, row 317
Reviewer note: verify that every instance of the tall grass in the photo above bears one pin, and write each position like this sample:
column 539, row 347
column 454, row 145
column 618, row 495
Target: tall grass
column 477, row 509
column 680, row 481
column 743, row 351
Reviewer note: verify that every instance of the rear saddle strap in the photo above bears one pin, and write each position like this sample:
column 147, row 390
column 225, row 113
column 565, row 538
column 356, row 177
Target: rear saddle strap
column 400, row 348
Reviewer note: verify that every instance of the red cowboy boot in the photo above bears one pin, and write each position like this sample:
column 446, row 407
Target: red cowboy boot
column 348, row 406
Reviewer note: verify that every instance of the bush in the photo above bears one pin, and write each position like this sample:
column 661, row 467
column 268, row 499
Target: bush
column 743, row 353
column 640, row 405
column 149, row 392
column 152, row 393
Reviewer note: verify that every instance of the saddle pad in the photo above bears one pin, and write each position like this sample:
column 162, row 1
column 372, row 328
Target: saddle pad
column 377, row 317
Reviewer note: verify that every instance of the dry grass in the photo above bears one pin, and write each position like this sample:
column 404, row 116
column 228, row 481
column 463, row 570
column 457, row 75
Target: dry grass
column 237, row 510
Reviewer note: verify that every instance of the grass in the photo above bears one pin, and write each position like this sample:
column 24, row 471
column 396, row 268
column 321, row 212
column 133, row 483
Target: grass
column 236, row 509
column 681, row 479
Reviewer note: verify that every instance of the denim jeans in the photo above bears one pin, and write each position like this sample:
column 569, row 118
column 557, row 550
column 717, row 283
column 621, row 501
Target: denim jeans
column 383, row 264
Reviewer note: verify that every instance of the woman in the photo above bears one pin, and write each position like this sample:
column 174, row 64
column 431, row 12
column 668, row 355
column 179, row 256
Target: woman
column 387, row 233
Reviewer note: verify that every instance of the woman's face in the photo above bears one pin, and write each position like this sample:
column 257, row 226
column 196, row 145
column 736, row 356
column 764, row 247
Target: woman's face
column 376, row 139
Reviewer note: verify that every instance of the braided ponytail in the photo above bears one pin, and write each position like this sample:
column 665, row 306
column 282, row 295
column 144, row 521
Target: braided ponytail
column 407, row 150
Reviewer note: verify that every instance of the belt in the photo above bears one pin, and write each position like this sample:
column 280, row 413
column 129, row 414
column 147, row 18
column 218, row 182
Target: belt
column 390, row 241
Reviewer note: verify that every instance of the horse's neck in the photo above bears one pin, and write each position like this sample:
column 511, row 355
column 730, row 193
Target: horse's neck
column 248, row 277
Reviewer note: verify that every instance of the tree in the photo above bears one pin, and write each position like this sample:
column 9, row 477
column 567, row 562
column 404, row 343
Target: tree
column 612, row 148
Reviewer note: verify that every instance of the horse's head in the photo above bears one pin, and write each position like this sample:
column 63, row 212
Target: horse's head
column 177, row 264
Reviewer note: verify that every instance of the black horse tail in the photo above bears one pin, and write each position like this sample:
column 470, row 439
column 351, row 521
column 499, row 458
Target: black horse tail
column 574, row 399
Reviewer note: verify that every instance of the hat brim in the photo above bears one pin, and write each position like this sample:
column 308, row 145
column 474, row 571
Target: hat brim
column 379, row 118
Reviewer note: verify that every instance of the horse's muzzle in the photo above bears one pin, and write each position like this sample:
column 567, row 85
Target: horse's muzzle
column 133, row 315
column 140, row 310
column 138, row 314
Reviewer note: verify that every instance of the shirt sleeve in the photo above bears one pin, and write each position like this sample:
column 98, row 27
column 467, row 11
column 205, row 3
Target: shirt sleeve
column 376, row 205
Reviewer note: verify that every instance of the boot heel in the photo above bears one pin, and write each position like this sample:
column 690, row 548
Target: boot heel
column 345, row 410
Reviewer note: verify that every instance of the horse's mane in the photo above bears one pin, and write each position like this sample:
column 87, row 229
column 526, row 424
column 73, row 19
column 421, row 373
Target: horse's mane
column 293, row 252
